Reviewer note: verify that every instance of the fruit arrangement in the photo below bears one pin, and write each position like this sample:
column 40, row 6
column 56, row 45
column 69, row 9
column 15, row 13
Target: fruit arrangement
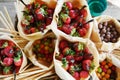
column 41, row 50
column 34, row 18
column 12, row 59
column 106, row 71
column 73, row 19
column 78, row 58
column 56, row 38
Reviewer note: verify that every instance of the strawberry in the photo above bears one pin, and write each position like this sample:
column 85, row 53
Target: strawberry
column 84, row 74
column 86, row 50
column 88, row 56
column 63, row 44
column 72, row 14
column 83, row 12
column 86, row 26
column 24, row 23
column 76, row 75
column 10, row 43
column 32, row 30
column 86, row 65
column 68, row 51
column 7, row 70
column 68, row 5
column 39, row 14
column 79, row 57
column 48, row 20
column 65, row 17
column 17, row 61
column 50, row 11
column 78, row 47
column 8, row 61
column 82, row 32
column 66, row 28
column 8, row 51
column 70, row 58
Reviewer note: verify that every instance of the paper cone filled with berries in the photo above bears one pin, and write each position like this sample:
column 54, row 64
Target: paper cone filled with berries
column 12, row 58
column 106, row 33
column 75, row 58
column 72, row 18
column 109, row 68
column 40, row 52
column 34, row 17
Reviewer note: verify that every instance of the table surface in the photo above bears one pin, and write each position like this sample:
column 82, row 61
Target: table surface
column 111, row 9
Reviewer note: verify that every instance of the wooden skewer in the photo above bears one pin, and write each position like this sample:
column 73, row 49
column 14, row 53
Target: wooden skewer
column 4, row 21
column 9, row 18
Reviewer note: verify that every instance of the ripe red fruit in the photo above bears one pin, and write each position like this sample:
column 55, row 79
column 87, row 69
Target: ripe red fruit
column 10, row 43
column 78, row 58
column 8, row 51
column 17, row 61
column 72, row 14
column 84, row 74
column 66, row 28
column 82, row 32
column 63, row 44
column 88, row 56
column 66, row 19
column 65, row 50
column 48, row 20
column 32, row 30
column 7, row 61
column 69, row 5
column 86, row 65
column 32, row 19
column 83, row 12
column 50, row 11
column 40, row 16
column 76, row 75
column 86, row 50
column 69, row 58
column 87, row 26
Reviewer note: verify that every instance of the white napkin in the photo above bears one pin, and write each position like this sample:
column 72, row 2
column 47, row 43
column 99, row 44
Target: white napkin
column 115, row 2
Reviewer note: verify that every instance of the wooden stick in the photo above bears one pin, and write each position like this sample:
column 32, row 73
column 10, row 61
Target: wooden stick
column 9, row 18
column 4, row 21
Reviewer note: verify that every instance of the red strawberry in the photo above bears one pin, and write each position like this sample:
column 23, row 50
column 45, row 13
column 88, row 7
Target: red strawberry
column 66, row 28
column 17, row 61
column 39, row 14
column 10, row 43
column 84, row 74
column 7, row 70
column 70, row 58
column 86, row 65
column 86, row 50
column 8, row 61
column 50, row 11
column 88, row 56
column 48, row 20
column 83, row 12
column 8, row 51
column 29, row 6
column 32, row 30
column 76, row 75
column 87, row 26
column 82, row 32
column 72, row 14
column 63, row 44
column 78, row 58
column 65, row 50
column 32, row 19
column 69, row 5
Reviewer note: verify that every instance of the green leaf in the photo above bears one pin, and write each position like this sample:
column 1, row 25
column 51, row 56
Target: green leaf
column 43, row 11
column 37, row 5
column 64, row 62
column 60, row 22
column 70, row 52
column 73, row 31
column 80, row 46
column 6, row 69
column 5, row 44
column 92, row 66
column 26, row 12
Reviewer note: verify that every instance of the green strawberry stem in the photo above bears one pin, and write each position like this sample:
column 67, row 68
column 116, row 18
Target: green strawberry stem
column 64, row 62
column 70, row 52
column 6, row 69
column 5, row 44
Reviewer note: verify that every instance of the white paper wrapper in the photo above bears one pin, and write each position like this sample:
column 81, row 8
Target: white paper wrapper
column 24, row 63
column 62, row 73
column 76, row 3
column 20, row 7
column 32, row 57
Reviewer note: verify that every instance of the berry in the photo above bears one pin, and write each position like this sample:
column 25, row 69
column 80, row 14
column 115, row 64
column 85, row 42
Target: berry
column 63, row 44
column 8, row 51
column 86, row 65
column 69, row 5
column 8, row 61
column 84, row 74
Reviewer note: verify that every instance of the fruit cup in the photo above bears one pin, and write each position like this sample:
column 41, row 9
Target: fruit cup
column 12, row 58
column 72, row 18
column 40, row 52
column 106, row 33
column 75, row 59
column 34, row 18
